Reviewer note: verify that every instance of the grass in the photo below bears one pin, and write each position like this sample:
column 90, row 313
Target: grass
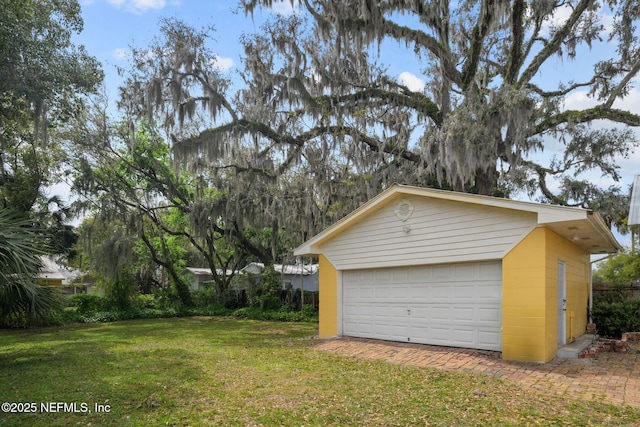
column 219, row 371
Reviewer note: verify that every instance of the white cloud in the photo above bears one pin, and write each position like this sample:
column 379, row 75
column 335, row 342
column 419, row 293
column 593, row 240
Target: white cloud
column 411, row 81
column 121, row 53
column 631, row 102
column 560, row 16
column 140, row 6
column 579, row 100
column 284, row 7
column 223, row 64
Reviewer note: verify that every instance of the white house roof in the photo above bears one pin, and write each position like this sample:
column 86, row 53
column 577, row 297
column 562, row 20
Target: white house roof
column 583, row 227
column 50, row 270
column 295, row 269
column 634, row 207
column 197, row 271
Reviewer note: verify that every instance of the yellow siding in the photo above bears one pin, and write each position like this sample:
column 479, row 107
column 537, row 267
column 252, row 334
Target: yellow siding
column 328, row 310
column 49, row 282
column 524, row 300
column 577, row 271
column 530, row 295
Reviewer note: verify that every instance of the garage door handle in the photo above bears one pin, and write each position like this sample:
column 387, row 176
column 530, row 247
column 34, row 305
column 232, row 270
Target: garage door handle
column 409, row 312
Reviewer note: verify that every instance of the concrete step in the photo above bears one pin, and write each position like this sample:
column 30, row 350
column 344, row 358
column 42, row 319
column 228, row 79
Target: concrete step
column 571, row 351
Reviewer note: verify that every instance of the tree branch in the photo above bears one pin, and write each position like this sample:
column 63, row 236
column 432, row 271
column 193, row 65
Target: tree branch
column 442, row 52
column 478, row 34
column 514, row 62
column 542, row 183
column 585, row 116
column 623, row 83
column 414, row 100
column 552, row 47
column 562, row 92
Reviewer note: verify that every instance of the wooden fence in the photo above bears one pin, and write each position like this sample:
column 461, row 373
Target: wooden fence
column 631, row 289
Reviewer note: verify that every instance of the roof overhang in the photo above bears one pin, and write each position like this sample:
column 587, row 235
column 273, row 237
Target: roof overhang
column 583, row 227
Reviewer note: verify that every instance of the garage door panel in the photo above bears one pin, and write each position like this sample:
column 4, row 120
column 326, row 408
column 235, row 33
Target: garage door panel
column 420, row 314
column 366, row 294
column 440, row 314
column 489, row 339
column 366, row 310
column 419, row 293
column 381, row 276
column 463, row 335
column 464, row 314
column 398, row 312
column 400, row 275
column 492, row 315
column 440, row 335
column 418, row 274
column 455, row 305
column 368, row 329
column 465, row 271
column 396, row 330
column 351, row 294
column 388, row 293
column 441, row 272
column 465, row 293
column 440, row 291
column 493, row 269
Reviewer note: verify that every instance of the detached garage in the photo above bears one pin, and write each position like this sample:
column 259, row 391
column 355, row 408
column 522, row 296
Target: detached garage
column 444, row 268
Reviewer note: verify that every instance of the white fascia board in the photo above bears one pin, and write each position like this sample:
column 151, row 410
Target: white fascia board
column 546, row 213
column 602, row 229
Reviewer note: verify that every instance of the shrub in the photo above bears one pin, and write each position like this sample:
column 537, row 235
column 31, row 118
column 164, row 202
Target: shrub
column 87, row 303
column 205, row 296
column 282, row 315
column 270, row 302
column 615, row 318
column 144, row 301
column 166, row 298
column 616, row 292
column 120, row 292
column 623, row 267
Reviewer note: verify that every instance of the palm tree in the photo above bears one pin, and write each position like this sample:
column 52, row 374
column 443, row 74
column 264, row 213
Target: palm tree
column 21, row 298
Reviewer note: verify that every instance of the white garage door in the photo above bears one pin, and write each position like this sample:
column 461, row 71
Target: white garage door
column 454, row 304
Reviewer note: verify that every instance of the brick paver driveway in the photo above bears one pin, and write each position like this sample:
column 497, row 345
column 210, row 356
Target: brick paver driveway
column 611, row 378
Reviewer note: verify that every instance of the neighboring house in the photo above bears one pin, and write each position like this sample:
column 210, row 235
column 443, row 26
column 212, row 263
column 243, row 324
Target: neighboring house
column 445, row 268
column 52, row 274
column 634, row 207
column 295, row 276
column 199, row 277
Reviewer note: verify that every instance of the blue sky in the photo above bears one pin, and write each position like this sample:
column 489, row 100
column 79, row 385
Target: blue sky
column 112, row 26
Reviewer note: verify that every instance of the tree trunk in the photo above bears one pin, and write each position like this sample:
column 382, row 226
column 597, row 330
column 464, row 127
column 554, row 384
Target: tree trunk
column 485, row 181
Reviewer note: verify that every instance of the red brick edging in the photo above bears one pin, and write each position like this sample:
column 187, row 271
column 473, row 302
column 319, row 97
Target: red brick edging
column 603, row 345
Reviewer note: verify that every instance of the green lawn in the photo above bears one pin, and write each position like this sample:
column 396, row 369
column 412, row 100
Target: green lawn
column 219, row 371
